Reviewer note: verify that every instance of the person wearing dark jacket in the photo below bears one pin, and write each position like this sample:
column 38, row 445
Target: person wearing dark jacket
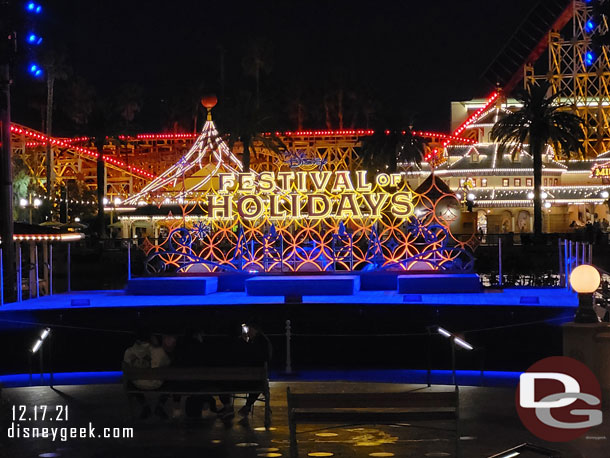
column 193, row 352
column 252, row 349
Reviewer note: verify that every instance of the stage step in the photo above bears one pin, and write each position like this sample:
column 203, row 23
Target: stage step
column 172, row 286
column 439, row 283
column 303, row 285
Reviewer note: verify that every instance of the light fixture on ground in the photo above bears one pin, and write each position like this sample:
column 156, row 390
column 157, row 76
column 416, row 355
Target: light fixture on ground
column 43, row 335
column 585, row 280
column 455, row 340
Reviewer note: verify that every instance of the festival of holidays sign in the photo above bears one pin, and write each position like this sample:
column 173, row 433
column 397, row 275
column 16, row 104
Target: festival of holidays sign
column 309, row 194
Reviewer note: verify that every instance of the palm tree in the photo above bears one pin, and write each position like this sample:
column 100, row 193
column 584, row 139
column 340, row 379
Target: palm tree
column 246, row 123
column 56, row 68
column 541, row 121
column 383, row 150
column 258, row 59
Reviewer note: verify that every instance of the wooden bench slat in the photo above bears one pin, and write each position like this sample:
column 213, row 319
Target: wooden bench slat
column 198, row 373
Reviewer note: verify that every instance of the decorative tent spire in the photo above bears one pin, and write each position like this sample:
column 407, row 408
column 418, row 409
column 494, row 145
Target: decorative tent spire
column 194, row 171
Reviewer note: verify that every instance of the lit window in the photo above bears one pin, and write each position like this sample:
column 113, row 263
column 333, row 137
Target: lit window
column 528, row 182
column 546, row 181
column 505, row 182
column 556, row 181
column 462, row 181
column 484, row 182
column 517, row 181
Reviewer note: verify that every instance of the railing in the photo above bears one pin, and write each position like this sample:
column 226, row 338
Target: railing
column 33, row 272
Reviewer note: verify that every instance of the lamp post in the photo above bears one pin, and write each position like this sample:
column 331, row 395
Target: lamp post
column 585, row 280
column 30, row 203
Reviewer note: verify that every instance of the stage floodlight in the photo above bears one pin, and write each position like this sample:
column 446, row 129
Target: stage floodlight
column 33, row 7
column 589, row 58
column 117, row 201
column 43, row 335
column 37, row 202
column 105, row 201
column 470, row 196
column 605, row 194
column 23, row 202
column 530, row 195
column 589, row 26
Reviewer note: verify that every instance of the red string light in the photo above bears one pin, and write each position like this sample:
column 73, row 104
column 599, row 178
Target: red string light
column 80, row 149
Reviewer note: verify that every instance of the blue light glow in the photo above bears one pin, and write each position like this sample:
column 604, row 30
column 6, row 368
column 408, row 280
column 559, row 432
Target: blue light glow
column 441, row 377
column 33, row 7
column 35, row 70
column 589, row 58
column 34, row 39
column 589, row 26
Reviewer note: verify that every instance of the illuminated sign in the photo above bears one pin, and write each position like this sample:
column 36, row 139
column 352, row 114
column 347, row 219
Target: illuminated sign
column 308, row 194
column 601, row 171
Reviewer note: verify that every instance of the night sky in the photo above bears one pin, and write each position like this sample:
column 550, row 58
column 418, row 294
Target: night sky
column 392, row 61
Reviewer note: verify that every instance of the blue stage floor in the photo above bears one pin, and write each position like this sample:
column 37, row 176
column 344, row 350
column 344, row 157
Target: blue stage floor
column 515, row 297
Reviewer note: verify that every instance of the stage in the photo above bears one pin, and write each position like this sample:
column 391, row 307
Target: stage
column 508, row 297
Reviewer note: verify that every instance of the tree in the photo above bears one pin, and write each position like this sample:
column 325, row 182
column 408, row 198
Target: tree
column 79, row 102
column 258, row 59
column 383, row 150
column 541, row 121
column 129, row 101
column 56, row 68
column 246, row 123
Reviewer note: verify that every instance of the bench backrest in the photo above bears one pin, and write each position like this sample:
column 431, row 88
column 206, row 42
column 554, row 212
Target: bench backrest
column 409, row 399
column 242, row 374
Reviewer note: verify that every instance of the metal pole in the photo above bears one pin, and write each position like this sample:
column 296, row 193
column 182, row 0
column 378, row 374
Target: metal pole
column 19, row 286
column 129, row 259
column 500, row 261
column 50, row 344
column 6, row 175
column 41, row 368
column 36, row 270
column 560, row 262
column 453, row 361
column 590, row 254
column 50, row 269
column 429, row 357
column 69, row 269
column 288, row 350
column 1, row 279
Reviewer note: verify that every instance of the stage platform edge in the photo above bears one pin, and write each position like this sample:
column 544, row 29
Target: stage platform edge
column 439, row 283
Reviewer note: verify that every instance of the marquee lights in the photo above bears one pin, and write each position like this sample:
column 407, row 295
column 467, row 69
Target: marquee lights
column 55, row 141
column 475, row 116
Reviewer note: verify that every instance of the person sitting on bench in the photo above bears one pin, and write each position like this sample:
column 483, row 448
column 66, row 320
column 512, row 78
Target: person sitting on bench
column 145, row 353
column 251, row 349
column 193, row 352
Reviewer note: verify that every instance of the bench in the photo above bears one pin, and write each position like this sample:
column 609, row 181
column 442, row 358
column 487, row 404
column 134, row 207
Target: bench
column 208, row 381
column 371, row 409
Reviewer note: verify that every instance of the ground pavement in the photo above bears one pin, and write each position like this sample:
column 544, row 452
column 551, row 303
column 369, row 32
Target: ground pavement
column 489, row 424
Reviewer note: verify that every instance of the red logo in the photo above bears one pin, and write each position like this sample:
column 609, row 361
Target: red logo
column 558, row 399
